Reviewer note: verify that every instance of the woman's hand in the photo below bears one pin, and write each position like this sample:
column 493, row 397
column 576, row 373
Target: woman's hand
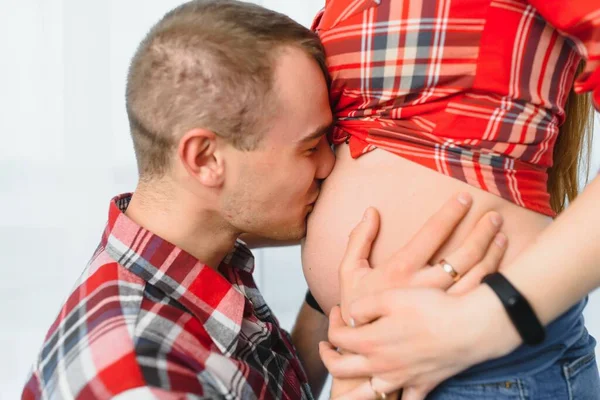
column 479, row 255
column 409, row 267
column 415, row 339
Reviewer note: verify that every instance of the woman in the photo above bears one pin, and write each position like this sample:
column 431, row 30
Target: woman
column 433, row 97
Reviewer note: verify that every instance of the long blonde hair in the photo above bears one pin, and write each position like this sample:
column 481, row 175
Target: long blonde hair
column 572, row 150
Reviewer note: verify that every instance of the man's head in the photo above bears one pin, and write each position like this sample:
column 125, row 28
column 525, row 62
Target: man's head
column 223, row 98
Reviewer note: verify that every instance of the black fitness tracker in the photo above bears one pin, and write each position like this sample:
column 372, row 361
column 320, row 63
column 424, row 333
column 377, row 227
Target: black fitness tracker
column 519, row 311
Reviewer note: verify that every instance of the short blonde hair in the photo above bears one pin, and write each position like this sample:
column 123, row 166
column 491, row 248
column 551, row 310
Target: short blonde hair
column 208, row 64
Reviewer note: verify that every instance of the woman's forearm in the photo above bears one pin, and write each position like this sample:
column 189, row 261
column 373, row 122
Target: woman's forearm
column 563, row 264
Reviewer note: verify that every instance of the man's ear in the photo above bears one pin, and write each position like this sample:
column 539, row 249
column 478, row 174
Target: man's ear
column 198, row 152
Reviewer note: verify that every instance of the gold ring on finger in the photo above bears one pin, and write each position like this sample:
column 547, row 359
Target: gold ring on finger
column 446, row 266
column 378, row 395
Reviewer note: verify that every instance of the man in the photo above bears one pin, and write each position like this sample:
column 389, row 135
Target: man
column 228, row 109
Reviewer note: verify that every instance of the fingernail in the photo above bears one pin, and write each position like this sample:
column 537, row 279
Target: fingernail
column 500, row 240
column 496, row 219
column 352, row 323
column 464, row 199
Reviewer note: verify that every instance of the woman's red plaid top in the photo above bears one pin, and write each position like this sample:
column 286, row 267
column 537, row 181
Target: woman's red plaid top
column 474, row 89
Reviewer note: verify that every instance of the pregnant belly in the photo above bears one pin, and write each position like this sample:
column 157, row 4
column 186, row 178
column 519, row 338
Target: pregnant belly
column 406, row 195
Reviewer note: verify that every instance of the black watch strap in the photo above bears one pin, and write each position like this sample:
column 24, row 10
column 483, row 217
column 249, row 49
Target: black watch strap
column 312, row 302
column 519, row 311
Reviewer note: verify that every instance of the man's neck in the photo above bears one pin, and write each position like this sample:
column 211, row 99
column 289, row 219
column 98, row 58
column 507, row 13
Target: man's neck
column 200, row 232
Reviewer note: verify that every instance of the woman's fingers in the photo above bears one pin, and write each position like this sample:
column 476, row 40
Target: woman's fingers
column 434, row 233
column 361, row 240
column 488, row 265
column 474, row 249
column 364, row 391
column 335, row 318
column 367, row 309
column 343, row 366
column 361, row 392
column 355, row 263
column 411, row 393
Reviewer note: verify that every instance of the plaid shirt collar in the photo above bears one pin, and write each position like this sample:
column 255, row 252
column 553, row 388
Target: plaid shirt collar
column 208, row 295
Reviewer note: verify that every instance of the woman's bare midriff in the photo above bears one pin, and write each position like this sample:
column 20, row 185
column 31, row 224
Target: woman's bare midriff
column 406, row 195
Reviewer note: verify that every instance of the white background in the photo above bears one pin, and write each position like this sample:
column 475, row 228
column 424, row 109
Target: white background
column 65, row 151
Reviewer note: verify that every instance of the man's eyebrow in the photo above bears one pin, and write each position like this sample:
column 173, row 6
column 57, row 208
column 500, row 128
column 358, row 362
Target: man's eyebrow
column 319, row 132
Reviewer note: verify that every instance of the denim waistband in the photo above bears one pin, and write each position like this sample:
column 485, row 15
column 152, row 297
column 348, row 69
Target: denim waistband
column 561, row 335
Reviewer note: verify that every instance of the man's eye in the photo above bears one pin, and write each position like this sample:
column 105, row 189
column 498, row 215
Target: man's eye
column 313, row 149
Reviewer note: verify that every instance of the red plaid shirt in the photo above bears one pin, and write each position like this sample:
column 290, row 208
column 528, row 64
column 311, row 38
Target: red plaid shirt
column 148, row 320
column 474, row 89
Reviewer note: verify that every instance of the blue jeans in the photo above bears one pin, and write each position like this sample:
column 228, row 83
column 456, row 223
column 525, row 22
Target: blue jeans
column 574, row 377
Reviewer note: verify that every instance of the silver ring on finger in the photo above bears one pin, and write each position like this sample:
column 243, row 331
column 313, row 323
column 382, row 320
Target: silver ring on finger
column 446, row 266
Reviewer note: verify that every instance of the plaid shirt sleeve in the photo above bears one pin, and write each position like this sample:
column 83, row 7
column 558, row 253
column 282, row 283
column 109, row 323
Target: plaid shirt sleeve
column 580, row 21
